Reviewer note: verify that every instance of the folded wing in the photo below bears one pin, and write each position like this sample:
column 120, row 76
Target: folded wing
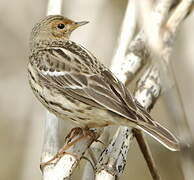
column 101, row 89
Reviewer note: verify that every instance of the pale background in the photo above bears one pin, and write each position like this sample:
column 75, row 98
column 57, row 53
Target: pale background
column 21, row 115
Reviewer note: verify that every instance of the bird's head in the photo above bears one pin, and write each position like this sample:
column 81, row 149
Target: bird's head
column 54, row 27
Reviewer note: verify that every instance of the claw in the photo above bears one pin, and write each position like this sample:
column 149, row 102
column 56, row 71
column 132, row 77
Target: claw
column 70, row 141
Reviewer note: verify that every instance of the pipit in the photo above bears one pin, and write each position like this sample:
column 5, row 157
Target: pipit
column 71, row 83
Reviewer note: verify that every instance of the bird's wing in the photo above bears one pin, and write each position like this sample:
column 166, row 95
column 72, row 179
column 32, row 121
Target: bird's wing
column 91, row 88
column 101, row 89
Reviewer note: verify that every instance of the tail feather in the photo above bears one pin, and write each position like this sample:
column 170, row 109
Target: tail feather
column 161, row 134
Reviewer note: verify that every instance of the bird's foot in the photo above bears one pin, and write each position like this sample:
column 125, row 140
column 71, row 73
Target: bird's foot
column 82, row 132
column 75, row 135
column 92, row 133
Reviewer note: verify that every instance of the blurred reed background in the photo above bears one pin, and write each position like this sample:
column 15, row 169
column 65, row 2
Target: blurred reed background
column 21, row 115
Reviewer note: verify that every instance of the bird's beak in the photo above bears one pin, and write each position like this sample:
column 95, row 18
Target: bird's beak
column 78, row 24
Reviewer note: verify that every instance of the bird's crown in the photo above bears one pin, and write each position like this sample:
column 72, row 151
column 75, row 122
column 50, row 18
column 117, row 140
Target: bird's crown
column 54, row 27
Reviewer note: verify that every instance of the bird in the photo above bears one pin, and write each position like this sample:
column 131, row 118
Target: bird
column 75, row 86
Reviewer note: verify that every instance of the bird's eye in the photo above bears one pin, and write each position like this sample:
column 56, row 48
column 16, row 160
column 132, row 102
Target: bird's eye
column 61, row 26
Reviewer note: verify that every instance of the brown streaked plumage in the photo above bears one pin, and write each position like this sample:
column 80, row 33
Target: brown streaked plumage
column 71, row 83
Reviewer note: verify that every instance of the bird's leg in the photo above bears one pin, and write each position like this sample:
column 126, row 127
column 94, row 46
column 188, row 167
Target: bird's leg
column 90, row 132
column 70, row 141
column 75, row 135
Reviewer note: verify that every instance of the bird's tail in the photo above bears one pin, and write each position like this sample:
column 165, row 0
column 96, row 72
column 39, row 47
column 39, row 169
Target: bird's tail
column 138, row 116
column 160, row 134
